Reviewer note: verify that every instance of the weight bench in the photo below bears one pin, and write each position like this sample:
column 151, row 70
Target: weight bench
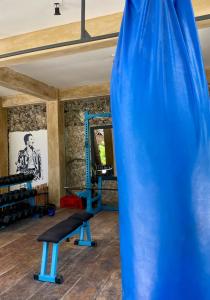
column 77, row 224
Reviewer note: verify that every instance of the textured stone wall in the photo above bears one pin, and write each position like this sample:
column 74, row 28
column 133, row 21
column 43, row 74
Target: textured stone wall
column 74, row 142
column 33, row 117
column 27, row 118
column 74, row 136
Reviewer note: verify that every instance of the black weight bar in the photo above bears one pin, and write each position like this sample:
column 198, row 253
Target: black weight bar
column 202, row 18
column 91, row 189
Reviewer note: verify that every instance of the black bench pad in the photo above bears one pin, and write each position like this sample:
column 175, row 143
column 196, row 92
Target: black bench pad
column 82, row 216
column 58, row 232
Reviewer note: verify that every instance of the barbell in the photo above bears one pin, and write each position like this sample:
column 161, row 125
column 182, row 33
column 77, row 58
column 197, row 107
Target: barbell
column 90, row 189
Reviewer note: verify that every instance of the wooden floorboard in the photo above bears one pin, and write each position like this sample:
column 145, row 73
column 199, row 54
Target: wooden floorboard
column 89, row 273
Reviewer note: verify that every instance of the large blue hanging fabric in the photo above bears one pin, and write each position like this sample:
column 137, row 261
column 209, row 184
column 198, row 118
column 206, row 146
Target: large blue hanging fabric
column 160, row 109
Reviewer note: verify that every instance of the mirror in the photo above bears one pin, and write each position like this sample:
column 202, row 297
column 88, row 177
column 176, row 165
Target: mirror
column 102, row 153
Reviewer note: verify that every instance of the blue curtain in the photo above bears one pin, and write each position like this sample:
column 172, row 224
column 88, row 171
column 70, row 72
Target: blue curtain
column 160, row 109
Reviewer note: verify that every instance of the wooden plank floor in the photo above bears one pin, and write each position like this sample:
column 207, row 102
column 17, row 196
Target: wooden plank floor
column 89, row 273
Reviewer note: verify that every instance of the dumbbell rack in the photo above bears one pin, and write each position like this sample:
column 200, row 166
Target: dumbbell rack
column 24, row 179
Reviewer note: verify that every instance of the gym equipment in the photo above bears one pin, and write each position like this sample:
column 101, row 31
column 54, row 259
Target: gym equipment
column 11, row 214
column 10, row 198
column 16, row 204
column 94, row 202
column 74, row 225
column 15, row 179
column 92, row 189
column 161, row 122
column 5, row 217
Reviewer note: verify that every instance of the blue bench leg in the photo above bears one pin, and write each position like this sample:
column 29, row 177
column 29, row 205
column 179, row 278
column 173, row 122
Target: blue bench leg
column 88, row 232
column 45, row 250
column 52, row 277
column 54, row 262
column 85, row 230
column 82, row 233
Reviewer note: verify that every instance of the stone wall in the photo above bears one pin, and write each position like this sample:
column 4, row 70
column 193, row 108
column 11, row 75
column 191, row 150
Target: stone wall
column 74, row 136
column 27, row 118
column 74, row 142
column 33, row 117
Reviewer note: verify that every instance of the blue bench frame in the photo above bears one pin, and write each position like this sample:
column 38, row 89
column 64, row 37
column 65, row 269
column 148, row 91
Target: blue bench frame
column 85, row 239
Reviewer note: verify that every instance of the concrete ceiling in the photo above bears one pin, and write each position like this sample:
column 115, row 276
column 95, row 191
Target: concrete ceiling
column 72, row 70
column 18, row 17
column 6, row 92
column 86, row 68
column 23, row 16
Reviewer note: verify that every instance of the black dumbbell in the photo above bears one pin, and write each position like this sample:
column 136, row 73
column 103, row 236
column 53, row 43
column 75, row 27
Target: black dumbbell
column 13, row 215
column 27, row 194
column 16, row 195
column 12, row 196
column 9, row 197
column 22, row 193
column 1, row 200
column 5, row 199
column 13, row 179
column 19, row 213
column 26, row 210
column 5, row 217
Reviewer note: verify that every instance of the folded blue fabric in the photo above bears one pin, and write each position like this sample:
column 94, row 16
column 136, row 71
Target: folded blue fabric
column 161, row 118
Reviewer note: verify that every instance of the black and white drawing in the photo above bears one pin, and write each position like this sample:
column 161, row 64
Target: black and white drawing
column 28, row 154
column 29, row 159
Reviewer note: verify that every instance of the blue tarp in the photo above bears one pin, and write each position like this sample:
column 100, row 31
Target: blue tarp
column 160, row 109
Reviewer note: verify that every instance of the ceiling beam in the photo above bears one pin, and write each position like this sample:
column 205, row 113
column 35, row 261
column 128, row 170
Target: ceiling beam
column 74, row 93
column 70, row 94
column 69, row 32
column 84, row 92
column 57, row 52
column 58, row 34
column 20, row 100
column 25, row 84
